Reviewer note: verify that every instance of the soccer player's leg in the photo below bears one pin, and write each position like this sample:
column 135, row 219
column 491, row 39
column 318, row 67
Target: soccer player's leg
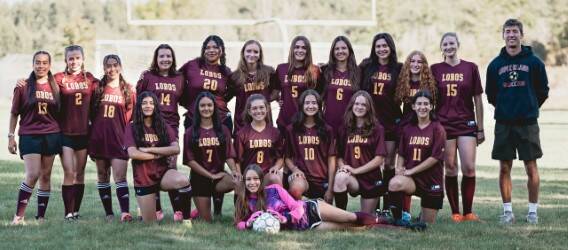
column 297, row 186
column 467, row 147
column 399, row 187
column 119, row 169
column 344, row 182
column 79, row 181
column 103, row 185
column 174, row 180
column 451, row 178
column 67, row 188
column 44, row 185
column 146, row 198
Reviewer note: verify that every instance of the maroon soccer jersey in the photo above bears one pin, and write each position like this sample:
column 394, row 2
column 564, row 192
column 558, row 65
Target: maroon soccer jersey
column 150, row 172
column 76, row 92
column 205, row 78
column 310, row 153
column 337, row 95
column 407, row 106
column 168, row 90
column 39, row 119
column 356, row 150
column 107, row 132
column 417, row 145
column 457, row 86
column 242, row 93
column 382, row 91
column 208, row 151
column 258, row 147
column 290, row 90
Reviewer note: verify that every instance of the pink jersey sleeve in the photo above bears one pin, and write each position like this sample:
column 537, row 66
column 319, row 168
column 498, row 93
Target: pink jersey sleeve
column 296, row 207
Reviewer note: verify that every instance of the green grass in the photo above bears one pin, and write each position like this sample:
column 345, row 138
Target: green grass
column 93, row 232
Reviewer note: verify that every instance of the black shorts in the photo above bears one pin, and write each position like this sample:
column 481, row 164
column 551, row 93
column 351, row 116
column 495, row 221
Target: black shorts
column 76, row 142
column 378, row 188
column 469, row 134
column 510, row 139
column 429, row 200
column 47, row 144
column 391, row 136
column 202, row 186
column 316, row 190
column 313, row 213
column 141, row 191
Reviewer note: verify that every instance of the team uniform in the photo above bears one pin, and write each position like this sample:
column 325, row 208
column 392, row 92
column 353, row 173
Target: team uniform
column 76, row 93
column 310, row 154
column 168, row 90
column 210, row 154
column 242, row 93
column 290, row 90
column 457, row 86
column 417, row 145
column 148, row 174
column 263, row 148
column 338, row 92
column 107, row 134
column 357, row 150
column 39, row 130
column 39, row 133
column 382, row 90
column 205, row 78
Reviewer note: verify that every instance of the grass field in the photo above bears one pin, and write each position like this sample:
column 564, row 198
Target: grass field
column 93, row 232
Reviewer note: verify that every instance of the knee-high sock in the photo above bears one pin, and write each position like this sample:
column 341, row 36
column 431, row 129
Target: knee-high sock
column 387, row 176
column 174, row 199
column 42, row 202
column 106, row 196
column 184, row 203
column 158, row 201
column 468, row 190
column 407, row 203
column 23, row 199
column 67, row 193
column 123, row 196
column 452, row 193
column 341, row 200
column 79, row 191
column 396, row 203
column 217, row 203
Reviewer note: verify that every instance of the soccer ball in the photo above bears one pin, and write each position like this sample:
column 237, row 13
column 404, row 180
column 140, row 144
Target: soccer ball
column 266, row 223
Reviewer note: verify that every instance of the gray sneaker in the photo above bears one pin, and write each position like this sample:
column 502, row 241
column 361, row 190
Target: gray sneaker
column 532, row 218
column 507, row 218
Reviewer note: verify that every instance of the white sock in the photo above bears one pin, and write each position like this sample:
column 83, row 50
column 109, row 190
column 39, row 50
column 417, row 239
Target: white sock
column 533, row 207
column 507, row 206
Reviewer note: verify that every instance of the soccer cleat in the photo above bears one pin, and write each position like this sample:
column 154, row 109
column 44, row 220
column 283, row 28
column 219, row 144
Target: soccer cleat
column 384, row 217
column 109, row 217
column 532, row 218
column 194, row 214
column 76, row 216
column 178, row 216
column 507, row 218
column 457, row 218
column 471, row 217
column 18, row 220
column 69, row 217
column 159, row 215
column 406, row 216
column 125, row 217
column 187, row 223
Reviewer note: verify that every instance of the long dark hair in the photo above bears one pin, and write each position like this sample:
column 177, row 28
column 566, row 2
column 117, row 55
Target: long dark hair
column 423, row 93
column 217, row 125
column 299, row 118
column 124, row 87
column 312, row 72
column 154, row 68
column 247, row 118
column 158, row 123
column 243, row 195
column 352, row 69
column 31, row 84
column 369, row 66
column 350, row 121
column 223, row 59
column 263, row 72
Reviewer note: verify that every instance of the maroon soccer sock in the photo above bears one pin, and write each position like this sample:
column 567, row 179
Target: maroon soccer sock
column 184, row 203
column 407, row 203
column 158, row 202
column 122, row 195
column 174, row 199
column 365, row 218
column 67, row 194
column 79, row 191
column 452, row 193
column 468, row 190
column 387, row 176
column 106, row 198
column 396, row 204
column 341, row 200
column 42, row 201
column 217, row 203
column 23, row 199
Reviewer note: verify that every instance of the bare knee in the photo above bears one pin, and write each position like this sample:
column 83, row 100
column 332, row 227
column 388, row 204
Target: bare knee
column 103, row 176
column 181, row 181
column 296, row 192
column 273, row 179
column 395, row 185
column 340, row 182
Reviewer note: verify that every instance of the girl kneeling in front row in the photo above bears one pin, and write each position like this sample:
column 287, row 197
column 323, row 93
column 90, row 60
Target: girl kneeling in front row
column 150, row 143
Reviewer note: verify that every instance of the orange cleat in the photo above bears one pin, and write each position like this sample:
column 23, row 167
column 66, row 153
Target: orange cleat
column 457, row 218
column 470, row 217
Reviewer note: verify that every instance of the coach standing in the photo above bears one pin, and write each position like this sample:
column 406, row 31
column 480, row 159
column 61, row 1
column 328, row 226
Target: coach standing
column 516, row 86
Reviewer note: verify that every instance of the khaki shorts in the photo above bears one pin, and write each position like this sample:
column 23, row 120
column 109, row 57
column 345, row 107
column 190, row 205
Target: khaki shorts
column 510, row 139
